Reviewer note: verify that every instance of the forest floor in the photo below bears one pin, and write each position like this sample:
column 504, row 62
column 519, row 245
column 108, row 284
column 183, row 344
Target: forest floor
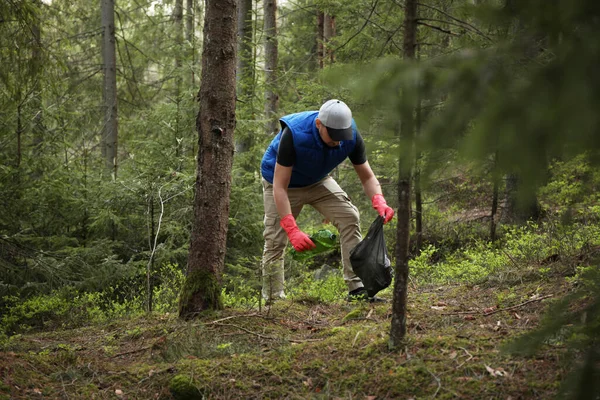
column 300, row 349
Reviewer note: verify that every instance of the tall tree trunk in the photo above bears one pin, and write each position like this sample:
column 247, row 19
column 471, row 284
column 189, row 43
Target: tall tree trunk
column 271, row 50
column 189, row 36
column 245, row 67
column 179, row 56
column 417, row 179
column 320, row 39
column 398, row 325
column 325, row 31
column 245, row 72
column 494, row 211
column 521, row 205
column 19, row 135
column 36, row 75
column 216, row 125
column 109, row 65
column 179, row 53
column 328, row 34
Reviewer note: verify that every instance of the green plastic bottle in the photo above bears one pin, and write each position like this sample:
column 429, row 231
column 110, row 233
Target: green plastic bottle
column 324, row 239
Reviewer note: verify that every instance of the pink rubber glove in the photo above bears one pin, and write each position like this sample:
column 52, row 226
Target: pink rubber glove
column 382, row 208
column 298, row 239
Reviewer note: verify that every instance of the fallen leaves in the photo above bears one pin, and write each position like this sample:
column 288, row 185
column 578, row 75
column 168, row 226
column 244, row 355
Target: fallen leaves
column 490, row 309
column 464, row 378
column 495, row 372
column 439, row 306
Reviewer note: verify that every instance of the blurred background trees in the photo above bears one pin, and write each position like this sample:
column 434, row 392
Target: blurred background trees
column 504, row 97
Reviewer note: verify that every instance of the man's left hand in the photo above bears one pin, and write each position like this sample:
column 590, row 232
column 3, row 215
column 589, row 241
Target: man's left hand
column 382, row 208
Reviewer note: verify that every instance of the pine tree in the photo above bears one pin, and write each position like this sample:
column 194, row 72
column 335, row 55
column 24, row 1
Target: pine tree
column 216, row 124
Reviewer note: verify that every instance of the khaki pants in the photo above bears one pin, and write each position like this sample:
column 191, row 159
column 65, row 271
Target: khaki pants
column 333, row 203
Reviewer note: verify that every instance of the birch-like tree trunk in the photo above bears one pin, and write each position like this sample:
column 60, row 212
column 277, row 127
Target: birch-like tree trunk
column 271, row 50
column 398, row 325
column 215, row 124
column 109, row 92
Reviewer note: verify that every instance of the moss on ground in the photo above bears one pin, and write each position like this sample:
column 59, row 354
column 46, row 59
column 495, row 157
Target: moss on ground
column 298, row 351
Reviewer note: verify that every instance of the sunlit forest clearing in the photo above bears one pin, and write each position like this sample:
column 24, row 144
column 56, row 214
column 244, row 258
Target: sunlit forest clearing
column 135, row 224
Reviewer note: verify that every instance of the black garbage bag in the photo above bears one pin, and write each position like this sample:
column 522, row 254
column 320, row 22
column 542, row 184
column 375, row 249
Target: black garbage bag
column 370, row 259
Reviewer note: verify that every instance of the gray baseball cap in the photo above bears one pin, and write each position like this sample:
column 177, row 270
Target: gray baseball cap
column 337, row 118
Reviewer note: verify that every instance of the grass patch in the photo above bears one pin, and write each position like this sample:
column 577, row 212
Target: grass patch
column 298, row 349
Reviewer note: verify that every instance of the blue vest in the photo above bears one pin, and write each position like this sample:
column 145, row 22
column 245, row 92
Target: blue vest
column 314, row 159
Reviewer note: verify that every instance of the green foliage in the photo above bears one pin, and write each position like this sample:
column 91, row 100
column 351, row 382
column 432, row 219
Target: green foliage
column 572, row 321
column 60, row 309
column 519, row 250
column 244, row 235
column 330, row 289
column 572, row 190
column 241, row 283
column 71, row 307
column 168, row 282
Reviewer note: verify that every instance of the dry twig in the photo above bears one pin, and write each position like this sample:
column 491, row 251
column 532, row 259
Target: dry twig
column 485, row 314
column 266, row 336
column 517, row 306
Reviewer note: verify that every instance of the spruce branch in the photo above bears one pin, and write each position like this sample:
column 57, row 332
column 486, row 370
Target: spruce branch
column 367, row 20
column 437, row 28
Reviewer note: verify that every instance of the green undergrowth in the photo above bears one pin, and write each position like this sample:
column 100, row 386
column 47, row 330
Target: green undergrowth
column 301, row 348
column 473, row 314
column 531, row 252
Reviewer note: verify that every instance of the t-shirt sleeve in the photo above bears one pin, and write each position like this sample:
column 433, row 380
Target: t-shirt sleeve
column 286, row 154
column 359, row 154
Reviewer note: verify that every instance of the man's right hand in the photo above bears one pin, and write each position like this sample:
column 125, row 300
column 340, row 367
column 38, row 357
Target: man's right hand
column 299, row 240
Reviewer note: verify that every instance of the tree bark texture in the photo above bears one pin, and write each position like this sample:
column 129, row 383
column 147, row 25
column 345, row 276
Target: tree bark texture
column 215, row 125
column 109, row 65
column 179, row 57
column 493, row 216
column 179, row 53
column 19, row 136
column 37, row 63
column 271, row 54
column 244, row 59
column 417, row 179
column 245, row 68
column 328, row 33
column 494, row 211
column 398, row 325
column 521, row 206
column 189, row 36
column 325, row 31
column 320, row 39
